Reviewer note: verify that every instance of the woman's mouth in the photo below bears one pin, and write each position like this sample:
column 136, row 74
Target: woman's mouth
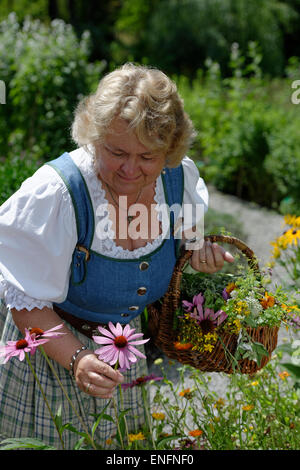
column 130, row 180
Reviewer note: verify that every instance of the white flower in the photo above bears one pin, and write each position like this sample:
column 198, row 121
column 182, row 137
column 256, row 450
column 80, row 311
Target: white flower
column 253, row 305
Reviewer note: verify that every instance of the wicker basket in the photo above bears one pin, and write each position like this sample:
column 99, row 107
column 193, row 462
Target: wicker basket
column 160, row 324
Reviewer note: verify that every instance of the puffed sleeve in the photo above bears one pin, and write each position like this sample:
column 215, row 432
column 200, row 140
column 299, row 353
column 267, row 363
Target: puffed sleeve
column 37, row 238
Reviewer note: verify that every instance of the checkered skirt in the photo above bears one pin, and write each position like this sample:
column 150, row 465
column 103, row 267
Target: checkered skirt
column 23, row 412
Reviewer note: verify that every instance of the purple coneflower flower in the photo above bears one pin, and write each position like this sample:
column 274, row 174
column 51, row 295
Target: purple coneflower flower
column 141, row 381
column 209, row 320
column 20, row 347
column 195, row 307
column 119, row 345
column 198, row 301
column 38, row 333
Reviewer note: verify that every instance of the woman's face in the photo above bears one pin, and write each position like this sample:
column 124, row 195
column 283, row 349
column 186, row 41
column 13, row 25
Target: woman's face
column 125, row 164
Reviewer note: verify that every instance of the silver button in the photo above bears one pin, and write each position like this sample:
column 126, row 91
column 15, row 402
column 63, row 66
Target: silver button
column 124, row 314
column 144, row 265
column 133, row 308
column 142, row 290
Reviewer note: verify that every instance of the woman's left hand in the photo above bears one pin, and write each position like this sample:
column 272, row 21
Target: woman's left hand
column 210, row 258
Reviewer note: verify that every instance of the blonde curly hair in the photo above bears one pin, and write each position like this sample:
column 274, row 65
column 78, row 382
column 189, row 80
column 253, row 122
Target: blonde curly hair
column 147, row 100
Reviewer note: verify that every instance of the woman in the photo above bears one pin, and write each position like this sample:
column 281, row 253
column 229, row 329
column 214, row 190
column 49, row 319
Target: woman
column 71, row 250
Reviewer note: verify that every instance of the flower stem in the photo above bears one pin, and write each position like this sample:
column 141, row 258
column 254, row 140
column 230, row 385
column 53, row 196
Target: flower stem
column 124, row 417
column 145, row 399
column 117, row 419
column 67, row 397
column 45, row 398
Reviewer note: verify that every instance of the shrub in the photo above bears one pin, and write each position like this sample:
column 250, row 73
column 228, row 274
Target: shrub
column 46, row 71
column 247, row 141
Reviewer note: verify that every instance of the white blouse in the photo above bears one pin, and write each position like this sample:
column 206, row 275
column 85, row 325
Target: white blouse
column 38, row 232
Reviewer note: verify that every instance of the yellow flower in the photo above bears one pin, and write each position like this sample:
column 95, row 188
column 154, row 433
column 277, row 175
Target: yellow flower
column 208, row 347
column 247, row 407
column 242, row 308
column 136, row 437
column 292, row 220
column 219, row 403
column 158, row 416
column 276, row 250
column 283, row 375
column 254, row 383
column 230, row 287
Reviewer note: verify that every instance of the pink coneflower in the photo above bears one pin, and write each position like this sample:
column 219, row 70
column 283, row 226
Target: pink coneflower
column 38, row 333
column 141, row 381
column 195, row 308
column 119, row 345
column 209, row 320
column 20, row 347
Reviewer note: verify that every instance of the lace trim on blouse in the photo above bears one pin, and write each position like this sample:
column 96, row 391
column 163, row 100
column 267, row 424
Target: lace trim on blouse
column 14, row 298
column 106, row 244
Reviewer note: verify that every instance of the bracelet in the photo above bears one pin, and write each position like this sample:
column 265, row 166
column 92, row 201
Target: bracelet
column 73, row 359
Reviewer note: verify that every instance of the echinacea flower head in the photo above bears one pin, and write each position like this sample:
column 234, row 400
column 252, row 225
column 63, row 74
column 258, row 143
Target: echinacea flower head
column 198, row 300
column 117, row 345
column 209, row 320
column 38, row 333
column 20, row 347
column 141, row 381
column 194, row 308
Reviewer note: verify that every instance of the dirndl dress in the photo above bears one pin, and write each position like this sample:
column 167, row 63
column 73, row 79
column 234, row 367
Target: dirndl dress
column 101, row 289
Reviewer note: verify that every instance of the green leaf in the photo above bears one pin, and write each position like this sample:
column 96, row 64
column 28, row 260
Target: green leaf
column 101, row 416
column 24, row 443
column 71, row 428
column 293, row 368
column 160, row 444
column 58, row 419
column 260, row 351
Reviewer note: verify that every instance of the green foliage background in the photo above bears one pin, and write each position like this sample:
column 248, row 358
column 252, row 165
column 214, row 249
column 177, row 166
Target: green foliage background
column 234, row 63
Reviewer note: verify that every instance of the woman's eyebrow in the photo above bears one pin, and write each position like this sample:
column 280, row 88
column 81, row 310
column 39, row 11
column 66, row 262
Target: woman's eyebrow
column 117, row 149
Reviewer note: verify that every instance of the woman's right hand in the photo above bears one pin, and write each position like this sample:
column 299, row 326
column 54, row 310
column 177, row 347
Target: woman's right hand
column 94, row 377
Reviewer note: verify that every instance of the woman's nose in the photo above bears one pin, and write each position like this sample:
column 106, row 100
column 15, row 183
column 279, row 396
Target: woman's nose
column 130, row 167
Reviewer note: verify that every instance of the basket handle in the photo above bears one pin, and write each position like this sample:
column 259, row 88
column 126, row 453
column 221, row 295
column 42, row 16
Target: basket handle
column 252, row 259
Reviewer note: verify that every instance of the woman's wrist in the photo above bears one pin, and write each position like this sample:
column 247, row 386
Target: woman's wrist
column 73, row 359
column 84, row 351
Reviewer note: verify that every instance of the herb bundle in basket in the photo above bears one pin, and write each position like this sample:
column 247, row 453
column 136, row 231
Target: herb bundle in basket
column 219, row 322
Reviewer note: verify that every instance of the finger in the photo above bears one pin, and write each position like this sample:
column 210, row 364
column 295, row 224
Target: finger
column 107, row 371
column 228, row 257
column 209, row 256
column 218, row 252
column 201, row 253
column 100, row 392
column 100, row 380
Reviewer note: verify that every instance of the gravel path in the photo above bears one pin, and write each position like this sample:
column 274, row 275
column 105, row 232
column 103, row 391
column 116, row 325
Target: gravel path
column 261, row 226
